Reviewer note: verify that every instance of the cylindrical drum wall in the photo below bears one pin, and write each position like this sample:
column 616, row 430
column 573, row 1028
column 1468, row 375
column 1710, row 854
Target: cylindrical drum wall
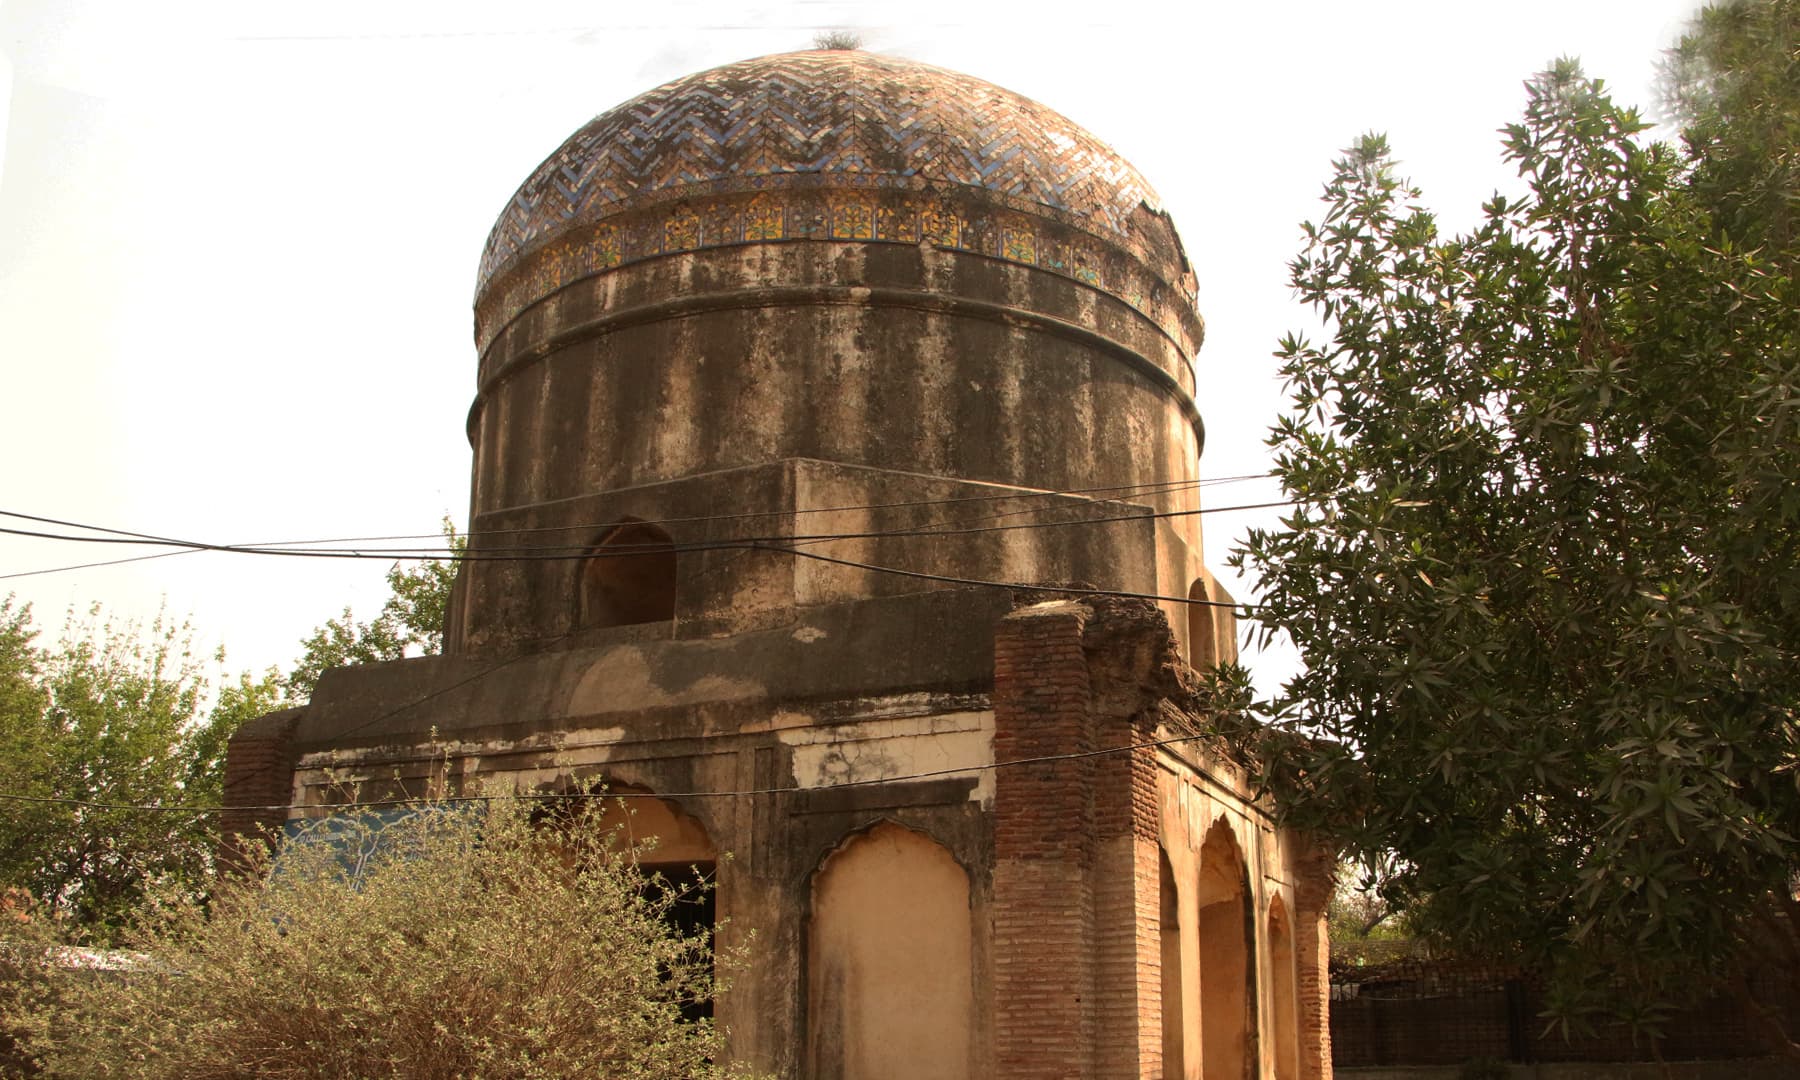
column 904, row 358
column 892, row 357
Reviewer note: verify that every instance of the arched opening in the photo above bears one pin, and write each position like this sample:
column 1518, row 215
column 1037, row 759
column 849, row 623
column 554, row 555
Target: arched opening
column 1227, row 982
column 1283, row 1021
column 889, row 975
column 628, row 577
column 1202, row 652
column 1173, row 1041
column 673, row 853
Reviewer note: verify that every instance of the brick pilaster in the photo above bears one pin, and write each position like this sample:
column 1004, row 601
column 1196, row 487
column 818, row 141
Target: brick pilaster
column 1127, row 905
column 259, row 773
column 1316, row 881
column 1044, row 1024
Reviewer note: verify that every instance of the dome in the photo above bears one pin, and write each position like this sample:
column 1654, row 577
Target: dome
column 939, row 157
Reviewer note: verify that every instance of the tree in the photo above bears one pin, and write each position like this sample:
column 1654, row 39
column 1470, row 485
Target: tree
column 126, row 715
column 1734, row 82
column 1543, row 567
column 411, row 622
column 456, row 941
column 111, row 716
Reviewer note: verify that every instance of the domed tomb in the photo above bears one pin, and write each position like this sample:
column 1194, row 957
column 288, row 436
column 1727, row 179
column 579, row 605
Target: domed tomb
column 783, row 367
column 821, row 280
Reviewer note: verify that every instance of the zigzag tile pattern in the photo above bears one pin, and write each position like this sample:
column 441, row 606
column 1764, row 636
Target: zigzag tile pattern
column 837, row 117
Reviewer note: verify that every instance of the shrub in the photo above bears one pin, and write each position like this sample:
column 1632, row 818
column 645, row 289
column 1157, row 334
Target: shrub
column 450, row 941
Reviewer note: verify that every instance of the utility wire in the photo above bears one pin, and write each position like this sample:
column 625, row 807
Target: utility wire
column 94, row 565
column 1043, row 759
column 1160, row 487
column 521, row 553
column 1019, row 585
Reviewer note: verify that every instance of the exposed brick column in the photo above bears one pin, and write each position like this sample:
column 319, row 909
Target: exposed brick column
column 259, row 772
column 1044, row 1019
column 1316, row 880
column 1127, row 905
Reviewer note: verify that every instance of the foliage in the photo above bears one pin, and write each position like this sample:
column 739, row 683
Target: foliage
column 411, row 622
column 29, row 979
column 1543, row 566
column 1483, row 1068
column 1358, row 914
column 455, row 941
column 1734, row 82
column 127, row 715
column 113, row 714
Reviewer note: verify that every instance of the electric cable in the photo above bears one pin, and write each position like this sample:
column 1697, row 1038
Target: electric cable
column 1157, row 487
column 523, row 553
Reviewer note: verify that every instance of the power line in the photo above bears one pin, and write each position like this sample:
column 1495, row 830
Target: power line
column 94, row 565
column 1018, row 585
column 1160, row 487
column 568, row 551
column 589, row 795
column 1157, row 487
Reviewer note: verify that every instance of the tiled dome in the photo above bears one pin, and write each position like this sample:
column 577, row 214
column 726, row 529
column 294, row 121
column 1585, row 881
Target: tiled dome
column 834, row 145
column 831, row 117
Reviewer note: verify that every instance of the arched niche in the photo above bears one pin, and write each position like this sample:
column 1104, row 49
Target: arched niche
column 1174, row 1035
column 1203, row 651
column 1227, row 930
column 628, row 577
column 1284, row 1019
column 889, row 962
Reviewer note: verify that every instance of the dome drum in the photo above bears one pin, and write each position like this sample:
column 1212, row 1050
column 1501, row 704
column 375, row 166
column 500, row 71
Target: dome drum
column 788, row 214
column 720, row 584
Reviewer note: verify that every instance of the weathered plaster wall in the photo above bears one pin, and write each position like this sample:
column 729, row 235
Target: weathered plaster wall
column 901, row 519
column 643, row 391
column 1233, row 869
column 1082, row 877
column 890, row 993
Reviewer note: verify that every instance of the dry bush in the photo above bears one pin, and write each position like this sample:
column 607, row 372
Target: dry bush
column 456, row 941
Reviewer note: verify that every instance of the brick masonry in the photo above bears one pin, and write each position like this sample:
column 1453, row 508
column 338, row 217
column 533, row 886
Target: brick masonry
column 258, row 783
column 1044, row 926
column 1077, row 891
column 1312, row 958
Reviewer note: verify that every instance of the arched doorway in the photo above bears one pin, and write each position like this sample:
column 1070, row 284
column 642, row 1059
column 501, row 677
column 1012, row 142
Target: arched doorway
column 1174, row 1035
column 672, row 851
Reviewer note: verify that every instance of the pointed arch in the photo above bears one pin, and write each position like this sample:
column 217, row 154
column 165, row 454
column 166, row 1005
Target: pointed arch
column 1227, row 929
column 1174, row 1034
column 1203, row 650
column 889, row 962
column 1284, row 1005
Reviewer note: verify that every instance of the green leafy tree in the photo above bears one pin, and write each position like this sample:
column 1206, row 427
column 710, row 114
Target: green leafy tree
column 411, row 622
column 453, row 942
column 113, row 716
column 1543, row 567
column 126, row 715
column 1734, row 83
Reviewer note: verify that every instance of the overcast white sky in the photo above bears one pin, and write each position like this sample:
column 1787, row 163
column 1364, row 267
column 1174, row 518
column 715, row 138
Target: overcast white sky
column 238, row 240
